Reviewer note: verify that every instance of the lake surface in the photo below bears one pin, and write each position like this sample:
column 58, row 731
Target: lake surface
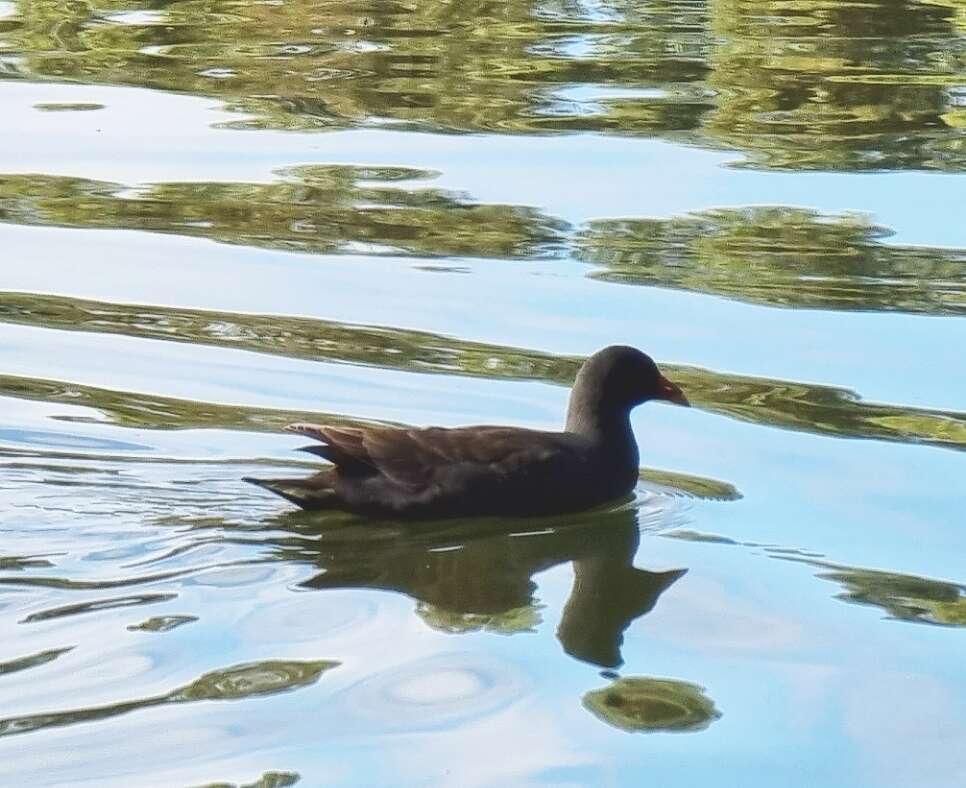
column 219, row 217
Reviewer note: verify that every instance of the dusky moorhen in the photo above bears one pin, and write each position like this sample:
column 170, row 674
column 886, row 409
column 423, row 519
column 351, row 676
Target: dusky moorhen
column 476, row 471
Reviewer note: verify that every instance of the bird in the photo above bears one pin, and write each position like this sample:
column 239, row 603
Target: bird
column 429, row 473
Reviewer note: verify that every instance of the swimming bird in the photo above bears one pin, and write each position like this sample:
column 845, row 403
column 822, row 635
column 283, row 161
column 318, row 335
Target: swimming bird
column 434, row 472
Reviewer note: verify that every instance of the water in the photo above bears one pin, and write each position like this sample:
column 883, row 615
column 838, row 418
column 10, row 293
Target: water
column 221, row 217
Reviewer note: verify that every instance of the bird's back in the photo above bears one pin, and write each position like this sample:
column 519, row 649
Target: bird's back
column 436, row 472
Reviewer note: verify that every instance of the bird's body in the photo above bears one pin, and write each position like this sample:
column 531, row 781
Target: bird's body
column 487, row 470
column 435, row 472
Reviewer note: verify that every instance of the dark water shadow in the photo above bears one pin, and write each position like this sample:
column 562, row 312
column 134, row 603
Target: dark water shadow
column 478, row 575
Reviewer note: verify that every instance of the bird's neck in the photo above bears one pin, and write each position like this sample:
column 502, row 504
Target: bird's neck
column 606, row 427
column 611, row 438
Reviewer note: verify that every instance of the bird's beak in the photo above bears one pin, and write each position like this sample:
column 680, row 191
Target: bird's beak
column 671, row 392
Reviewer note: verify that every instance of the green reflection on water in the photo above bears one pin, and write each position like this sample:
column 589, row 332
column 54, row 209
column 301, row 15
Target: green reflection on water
column 249, row 680
column 806, row 407
column 162, row 623
column 21, row 563
column 75, row 106
column 318, row 209
column 838, row 85
column 267, row 780
column 694, row 486
column 84, row 607
column 781, row 257
column 640, row 704
column 697, row 536
column 501, row 622
column 131, row 409
column 32, row 661
column 903, row 597
column 823, row 85
column 774, row 255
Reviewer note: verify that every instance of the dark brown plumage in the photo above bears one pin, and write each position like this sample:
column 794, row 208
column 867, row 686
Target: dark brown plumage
column 467, row 471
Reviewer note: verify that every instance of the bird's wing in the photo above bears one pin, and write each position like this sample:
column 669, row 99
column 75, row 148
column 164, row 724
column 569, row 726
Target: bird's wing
column 342, row 446
column 413, row 457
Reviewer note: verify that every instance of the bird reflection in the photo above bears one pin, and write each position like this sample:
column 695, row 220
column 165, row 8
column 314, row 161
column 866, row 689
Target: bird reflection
column 467, row 572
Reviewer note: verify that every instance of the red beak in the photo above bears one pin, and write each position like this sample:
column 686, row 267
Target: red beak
column 671, row 392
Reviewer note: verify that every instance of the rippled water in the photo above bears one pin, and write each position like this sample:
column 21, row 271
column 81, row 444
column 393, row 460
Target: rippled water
column 219, row 217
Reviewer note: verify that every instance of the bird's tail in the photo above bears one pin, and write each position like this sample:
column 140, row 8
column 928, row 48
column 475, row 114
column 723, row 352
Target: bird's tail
column 309, row 493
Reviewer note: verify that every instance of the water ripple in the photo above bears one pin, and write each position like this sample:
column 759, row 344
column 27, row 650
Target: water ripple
column 432, row 693
column 235, row 683
column 32, row 661
column 97, row 605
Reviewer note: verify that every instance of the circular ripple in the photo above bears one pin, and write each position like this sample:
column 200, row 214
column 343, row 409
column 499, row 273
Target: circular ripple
column 431, row 693
column 307, row 619
column 657, row 511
